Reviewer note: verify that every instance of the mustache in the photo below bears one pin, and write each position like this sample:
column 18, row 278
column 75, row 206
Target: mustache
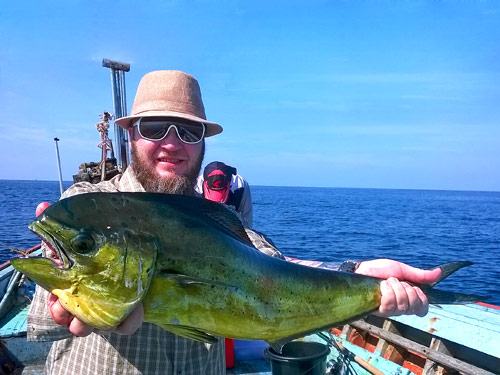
column 151, row 182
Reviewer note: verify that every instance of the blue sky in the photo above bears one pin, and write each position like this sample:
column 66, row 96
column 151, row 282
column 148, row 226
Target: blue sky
column 374, row 94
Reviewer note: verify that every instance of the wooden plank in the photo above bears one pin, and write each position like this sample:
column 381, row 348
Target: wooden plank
column 432, row 367
column 434, row 355
column 14, row 323
column 382, row 364
column 28, row 352
column 382, row 344
column 429, row 368
column 474, row 326
column 346, row 330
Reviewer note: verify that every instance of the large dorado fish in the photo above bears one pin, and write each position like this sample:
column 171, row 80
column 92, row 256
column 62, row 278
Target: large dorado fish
column 192, row 265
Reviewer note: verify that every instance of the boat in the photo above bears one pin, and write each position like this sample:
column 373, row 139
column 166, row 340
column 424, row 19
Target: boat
column 457, row 339
column 452, row 339
column 16, row 353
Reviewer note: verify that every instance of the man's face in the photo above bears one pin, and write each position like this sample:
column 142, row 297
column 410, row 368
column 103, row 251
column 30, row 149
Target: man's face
column 166, row 166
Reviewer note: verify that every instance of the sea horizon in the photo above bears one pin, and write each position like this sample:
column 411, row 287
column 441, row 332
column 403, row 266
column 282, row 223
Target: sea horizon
column 69, row 183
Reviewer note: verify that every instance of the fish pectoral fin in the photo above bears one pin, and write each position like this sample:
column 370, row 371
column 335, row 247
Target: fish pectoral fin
column 278, row 345
column 191, row 333
column 184, row 280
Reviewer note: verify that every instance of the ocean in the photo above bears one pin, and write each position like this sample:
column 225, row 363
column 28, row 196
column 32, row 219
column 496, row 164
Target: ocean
column 423, row 228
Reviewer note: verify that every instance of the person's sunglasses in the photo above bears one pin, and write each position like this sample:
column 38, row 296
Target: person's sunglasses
column 156, row 129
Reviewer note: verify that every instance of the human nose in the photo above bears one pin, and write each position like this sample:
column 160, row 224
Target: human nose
column 171, row 139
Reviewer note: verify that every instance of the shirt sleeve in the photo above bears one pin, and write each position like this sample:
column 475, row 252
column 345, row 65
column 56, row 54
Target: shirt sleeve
column 198, row 187
column 245, row 208
column 263, row 244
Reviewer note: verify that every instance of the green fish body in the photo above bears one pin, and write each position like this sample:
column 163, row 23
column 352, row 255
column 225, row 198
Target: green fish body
column 192, row 265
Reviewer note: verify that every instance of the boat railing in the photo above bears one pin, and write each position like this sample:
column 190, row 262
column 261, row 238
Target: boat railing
column 461, row 339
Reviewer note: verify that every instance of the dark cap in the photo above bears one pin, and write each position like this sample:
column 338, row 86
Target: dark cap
column 217, row 181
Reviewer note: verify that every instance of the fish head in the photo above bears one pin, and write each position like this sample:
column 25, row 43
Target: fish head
column 105, row 261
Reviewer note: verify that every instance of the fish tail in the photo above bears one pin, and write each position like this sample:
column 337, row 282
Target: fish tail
column 448, row 268
column 436, row 297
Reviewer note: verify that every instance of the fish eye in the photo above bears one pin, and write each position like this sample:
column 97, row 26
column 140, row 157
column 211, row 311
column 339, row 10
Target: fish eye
column 82, row 243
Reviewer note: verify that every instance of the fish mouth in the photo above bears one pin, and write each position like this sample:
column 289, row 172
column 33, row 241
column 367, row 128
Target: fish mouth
column 57, row 254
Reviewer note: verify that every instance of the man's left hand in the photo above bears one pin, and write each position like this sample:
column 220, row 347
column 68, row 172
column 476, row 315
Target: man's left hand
column 399, row 297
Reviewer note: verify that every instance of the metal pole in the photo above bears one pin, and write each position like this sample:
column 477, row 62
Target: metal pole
column 118, row 70
column 59, row 167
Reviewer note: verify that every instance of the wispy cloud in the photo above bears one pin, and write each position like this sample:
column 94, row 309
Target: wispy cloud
column 320, row 81
column 36, row 136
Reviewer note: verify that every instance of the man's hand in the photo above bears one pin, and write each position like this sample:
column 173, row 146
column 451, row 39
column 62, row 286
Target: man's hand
column 78, row 328
column 75, row 326
column 399, row 297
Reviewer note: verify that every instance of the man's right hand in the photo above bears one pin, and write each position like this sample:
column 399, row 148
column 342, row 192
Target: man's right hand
column 398, row 295
column 78, row 328
column 64, row 318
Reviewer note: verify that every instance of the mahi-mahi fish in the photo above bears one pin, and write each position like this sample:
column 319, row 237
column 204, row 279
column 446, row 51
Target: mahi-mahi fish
column 191, row 264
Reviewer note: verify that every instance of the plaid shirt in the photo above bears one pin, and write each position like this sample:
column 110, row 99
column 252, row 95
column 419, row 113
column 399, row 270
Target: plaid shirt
column 151, row 350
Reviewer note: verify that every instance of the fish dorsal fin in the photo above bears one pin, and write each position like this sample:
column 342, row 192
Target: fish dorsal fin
column 226, row 218
column 217, row 213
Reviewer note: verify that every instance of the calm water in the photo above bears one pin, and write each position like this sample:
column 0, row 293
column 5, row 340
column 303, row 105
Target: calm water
column 422, row 228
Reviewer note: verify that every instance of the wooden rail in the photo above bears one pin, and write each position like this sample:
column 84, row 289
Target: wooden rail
column 435, row 354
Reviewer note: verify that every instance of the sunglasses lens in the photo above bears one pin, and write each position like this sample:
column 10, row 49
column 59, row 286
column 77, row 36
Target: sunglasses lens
column 190, row 133
column 153, row 129
column 157, row 129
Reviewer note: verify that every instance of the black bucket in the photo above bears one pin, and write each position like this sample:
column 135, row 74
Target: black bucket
column 299, row 358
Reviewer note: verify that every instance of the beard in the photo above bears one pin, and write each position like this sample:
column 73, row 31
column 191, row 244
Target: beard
column 152, row 183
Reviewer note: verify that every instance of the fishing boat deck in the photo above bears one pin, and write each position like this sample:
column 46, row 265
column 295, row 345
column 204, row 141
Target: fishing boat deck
column 464, row 338
column 251, row 367
column 460, row 338
column 28, row 355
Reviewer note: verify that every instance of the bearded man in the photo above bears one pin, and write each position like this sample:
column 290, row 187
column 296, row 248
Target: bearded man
column 167, row 129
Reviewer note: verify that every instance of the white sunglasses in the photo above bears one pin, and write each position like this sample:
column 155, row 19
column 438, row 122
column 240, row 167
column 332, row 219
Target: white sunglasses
column 157, row 128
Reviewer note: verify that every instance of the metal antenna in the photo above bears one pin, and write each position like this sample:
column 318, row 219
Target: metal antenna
column 118, row 70
column 59, row 166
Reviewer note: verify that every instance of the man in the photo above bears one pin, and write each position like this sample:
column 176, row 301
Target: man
column 167, row 127
column 222, row 183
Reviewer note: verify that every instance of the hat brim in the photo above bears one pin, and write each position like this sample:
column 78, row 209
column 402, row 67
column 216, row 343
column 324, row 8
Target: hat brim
column 212, row 128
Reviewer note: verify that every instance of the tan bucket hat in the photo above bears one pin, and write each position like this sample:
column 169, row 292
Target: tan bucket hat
column 169, row 93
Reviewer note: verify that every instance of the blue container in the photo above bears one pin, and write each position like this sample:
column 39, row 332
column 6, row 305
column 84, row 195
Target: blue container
column 249, row 350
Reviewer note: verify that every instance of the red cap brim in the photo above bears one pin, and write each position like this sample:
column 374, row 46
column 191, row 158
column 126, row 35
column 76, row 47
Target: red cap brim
column 220, row 196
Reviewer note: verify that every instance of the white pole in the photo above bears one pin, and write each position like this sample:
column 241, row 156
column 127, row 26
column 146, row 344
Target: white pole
column 118, row 70
column 59, row 166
